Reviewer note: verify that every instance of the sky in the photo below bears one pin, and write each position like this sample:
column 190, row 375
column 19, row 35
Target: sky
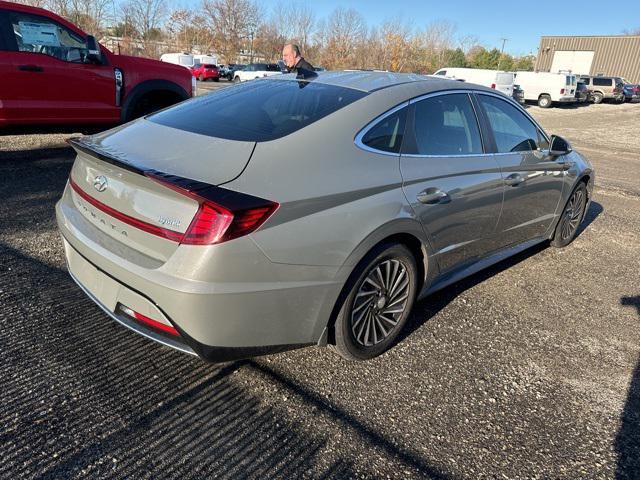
column 521, row 23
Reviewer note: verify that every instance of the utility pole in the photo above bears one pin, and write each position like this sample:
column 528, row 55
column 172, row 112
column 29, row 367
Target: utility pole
column 504, row 40
column 251, row 33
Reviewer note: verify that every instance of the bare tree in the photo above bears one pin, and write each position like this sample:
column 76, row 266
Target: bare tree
column 346, row 31
column 147, row 16
column 632, row 32
column 231, row 23
column 187, row 29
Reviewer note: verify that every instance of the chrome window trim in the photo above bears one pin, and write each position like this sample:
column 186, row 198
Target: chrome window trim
column 468, row 91
column 373, row 123
column 522, row 110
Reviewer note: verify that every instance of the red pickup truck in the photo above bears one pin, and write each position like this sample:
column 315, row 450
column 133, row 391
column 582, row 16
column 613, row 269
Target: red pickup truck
column 51, row 72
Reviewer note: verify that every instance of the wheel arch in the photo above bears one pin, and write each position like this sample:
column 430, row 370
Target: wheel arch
column 407, row 232
column 145, row 88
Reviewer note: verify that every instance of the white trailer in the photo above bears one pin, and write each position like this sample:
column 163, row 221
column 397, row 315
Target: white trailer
column 547, row 88
column 184, row 59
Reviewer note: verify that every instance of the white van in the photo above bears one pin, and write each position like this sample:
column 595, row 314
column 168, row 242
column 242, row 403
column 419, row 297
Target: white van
column 183, row 59
column 496, row 79
column 546, row 88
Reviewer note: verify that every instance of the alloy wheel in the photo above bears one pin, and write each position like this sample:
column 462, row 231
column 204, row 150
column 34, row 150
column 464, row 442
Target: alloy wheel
column 573, row 214
column 380, row 303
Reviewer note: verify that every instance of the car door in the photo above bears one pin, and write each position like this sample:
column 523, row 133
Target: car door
column 51, row 77
column 454, row 188
column 533, row 178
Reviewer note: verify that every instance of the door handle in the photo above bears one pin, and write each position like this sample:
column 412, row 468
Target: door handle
column 566, row 165
column 514, row 180
column 30, row 68
column 432, row 196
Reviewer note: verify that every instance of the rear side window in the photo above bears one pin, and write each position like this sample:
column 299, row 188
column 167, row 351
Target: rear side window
column 602, row 82
column 257, row 111
column 512, row 130
column 587, row 81
column 446, row 125
column 36, row 34
column 387, row 134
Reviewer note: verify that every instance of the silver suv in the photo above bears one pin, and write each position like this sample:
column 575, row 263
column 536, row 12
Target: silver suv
column 604, row 88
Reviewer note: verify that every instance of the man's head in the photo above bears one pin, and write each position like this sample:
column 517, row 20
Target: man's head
column 291, row 55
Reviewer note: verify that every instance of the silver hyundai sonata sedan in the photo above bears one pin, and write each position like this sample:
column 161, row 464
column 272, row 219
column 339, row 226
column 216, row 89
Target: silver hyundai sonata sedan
column 291, row 211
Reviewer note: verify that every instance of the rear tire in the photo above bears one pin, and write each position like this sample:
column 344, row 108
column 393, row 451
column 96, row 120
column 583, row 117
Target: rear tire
column 376, row 302
column 571, row 217
column 597, row 97
column 201, row 78
column 544, row 101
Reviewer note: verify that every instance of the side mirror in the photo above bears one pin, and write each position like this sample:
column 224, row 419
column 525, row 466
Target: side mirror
column 94, row 54
column 559, row 146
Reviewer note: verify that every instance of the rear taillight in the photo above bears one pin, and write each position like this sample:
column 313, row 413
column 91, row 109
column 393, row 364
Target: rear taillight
column 562, row 91
column 220, row 220
column 234, row 216
column 149, row 322
column 493, row 85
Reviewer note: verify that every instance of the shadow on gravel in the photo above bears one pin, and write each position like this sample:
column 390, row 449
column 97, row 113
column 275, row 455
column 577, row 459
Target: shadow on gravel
column 595, row 209
column 83, row 396
column 430, row 306
column 36, row 154
column 627, row 443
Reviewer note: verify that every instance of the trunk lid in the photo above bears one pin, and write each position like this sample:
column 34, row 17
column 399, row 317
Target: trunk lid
column 112, row 183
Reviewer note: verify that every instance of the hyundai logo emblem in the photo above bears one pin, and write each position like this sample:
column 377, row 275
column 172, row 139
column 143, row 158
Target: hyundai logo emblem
column 100, row 183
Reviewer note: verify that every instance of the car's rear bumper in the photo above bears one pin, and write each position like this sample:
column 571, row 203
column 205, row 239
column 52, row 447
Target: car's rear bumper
column 250, row 306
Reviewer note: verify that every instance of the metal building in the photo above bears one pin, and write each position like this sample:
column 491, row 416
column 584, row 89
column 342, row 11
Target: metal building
column 616, row 55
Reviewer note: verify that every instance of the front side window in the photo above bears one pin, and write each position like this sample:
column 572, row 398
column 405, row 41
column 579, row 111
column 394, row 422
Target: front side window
column 446, row 125
column 257, row 111
column 387, row 134
column 36, row 34
column 512, row 130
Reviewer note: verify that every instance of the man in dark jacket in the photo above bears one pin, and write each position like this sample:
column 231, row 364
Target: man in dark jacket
column 293, row 59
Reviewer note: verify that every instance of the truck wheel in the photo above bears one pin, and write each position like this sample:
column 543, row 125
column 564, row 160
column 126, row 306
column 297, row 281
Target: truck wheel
column 236, row 79
column 544, row 101
column 597, row 97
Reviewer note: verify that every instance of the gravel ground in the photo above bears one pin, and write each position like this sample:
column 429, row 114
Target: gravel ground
column 530, row 369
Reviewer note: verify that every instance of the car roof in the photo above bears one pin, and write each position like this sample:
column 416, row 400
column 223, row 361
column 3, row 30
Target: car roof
column 371, row 81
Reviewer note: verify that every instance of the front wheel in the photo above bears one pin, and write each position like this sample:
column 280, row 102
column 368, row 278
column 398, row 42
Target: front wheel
column 379, row 296
column 572, row 215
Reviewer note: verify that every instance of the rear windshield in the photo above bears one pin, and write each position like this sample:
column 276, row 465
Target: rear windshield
column 257, row 111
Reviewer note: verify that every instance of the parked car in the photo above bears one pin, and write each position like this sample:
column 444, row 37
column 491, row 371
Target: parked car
column 583, row 94
column 261, row 248
column 256, row 70
column 631, row 92
column 232, row 69
column 518, row 94
column 495, row 79
column 205, row 71
column 546, row 88
column 604, row 88
column 53, row 73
